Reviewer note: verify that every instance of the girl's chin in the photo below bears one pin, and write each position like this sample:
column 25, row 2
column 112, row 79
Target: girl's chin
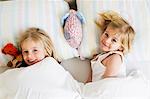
column 34, row 62
column 31, row 63
column 105, row 49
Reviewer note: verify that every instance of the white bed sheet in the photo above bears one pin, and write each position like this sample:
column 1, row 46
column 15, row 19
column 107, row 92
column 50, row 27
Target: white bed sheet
column 48, row 79
column 135, row 86
column 44, row 80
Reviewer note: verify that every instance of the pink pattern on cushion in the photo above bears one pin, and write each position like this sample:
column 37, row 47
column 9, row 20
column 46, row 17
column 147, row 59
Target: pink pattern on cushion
column 73, row 30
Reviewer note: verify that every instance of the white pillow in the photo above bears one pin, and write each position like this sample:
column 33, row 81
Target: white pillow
column 16, row 16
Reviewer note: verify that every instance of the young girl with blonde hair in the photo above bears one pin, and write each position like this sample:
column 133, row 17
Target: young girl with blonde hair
column 35, row 45
column 115, row 41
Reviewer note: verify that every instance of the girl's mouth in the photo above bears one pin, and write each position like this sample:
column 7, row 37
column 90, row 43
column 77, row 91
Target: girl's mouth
column 32, row 62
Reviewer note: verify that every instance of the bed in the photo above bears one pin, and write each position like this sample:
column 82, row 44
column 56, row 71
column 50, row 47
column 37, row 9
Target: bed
column 17, row 15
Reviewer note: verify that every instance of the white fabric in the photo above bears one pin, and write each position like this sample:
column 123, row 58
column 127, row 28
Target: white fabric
column 143, row 66
column 132, row 87
column 48, row 80
column 98, row 69
column 44, row 80
column 46, row 14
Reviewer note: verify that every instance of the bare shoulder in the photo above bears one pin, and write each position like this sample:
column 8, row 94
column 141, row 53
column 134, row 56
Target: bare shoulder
column 114, row 59
column 113, row 63
column 115, row 56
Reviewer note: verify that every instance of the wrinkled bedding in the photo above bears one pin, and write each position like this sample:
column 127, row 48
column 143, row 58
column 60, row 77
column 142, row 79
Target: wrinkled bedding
column 135, row 86
column 49, row 80
column 44, row 80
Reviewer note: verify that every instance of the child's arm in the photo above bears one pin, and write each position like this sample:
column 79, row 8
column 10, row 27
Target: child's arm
column 112, row 64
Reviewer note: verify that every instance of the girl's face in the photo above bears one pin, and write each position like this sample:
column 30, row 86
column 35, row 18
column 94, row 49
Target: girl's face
column 32, row 52
column 110, row 40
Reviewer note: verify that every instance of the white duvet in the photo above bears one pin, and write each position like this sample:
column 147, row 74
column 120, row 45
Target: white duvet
column 44, row 80
column 135, row 86
column 48, row 80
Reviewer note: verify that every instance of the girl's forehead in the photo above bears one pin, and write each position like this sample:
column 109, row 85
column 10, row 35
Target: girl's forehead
column 31, row 42
column 113, row 31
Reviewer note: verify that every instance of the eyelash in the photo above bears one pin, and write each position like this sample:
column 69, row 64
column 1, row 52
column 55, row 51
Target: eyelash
column 106, row 34
column 114, row 40
column 26, row 52
column 35, row 50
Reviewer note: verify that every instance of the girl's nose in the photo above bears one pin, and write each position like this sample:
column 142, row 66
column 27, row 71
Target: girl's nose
column 30, row 56
column 108, row 41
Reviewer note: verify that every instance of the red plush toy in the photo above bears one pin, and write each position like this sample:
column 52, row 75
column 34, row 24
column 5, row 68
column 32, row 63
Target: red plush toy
column 10, row 49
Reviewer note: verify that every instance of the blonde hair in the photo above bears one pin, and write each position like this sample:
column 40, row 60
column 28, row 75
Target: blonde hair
column 39, row 35
column 115, row 21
